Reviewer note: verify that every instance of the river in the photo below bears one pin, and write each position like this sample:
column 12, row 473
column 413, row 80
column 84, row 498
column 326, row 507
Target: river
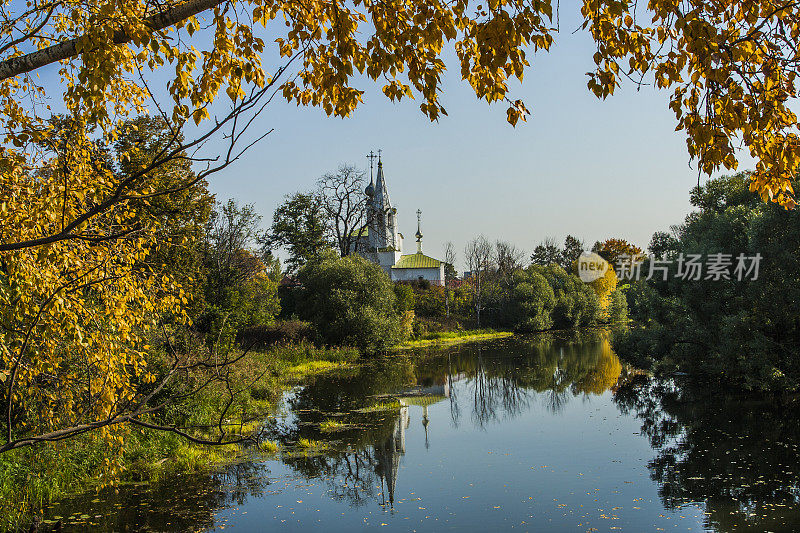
column 539, row 433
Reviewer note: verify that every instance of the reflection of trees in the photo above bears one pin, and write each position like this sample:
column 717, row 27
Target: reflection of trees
column 493, row 381
column 739, row 458
column 360, row 464
column 186, row 506
column 502, row 377
column 495, row 390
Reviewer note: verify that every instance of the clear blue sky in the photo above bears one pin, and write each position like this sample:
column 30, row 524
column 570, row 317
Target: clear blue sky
column 594, row 169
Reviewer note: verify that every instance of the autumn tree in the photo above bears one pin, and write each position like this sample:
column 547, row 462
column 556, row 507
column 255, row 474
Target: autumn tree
column 614, row 250
column 68, row 231
column 179, row 218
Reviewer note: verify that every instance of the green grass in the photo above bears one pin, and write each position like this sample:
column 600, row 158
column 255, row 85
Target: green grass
column 391, row 405
column 453, row 337
column 332, row 426
column 311, row 445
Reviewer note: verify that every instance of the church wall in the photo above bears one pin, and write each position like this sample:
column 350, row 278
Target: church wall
column 434, row 275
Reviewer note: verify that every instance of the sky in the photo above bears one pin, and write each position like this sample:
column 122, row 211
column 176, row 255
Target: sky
column 581, row 166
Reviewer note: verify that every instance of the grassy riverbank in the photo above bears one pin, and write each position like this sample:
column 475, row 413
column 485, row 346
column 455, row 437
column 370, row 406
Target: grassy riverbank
column 30, row 478
column 443, row 338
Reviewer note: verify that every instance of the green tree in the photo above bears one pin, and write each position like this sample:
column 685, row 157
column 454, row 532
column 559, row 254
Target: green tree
column 532, row 301
column 241, row 288
column 742, row 333
column 179, row 218
column 572, row 250
column 350, row 301
column 576, row 303
column 662, row 245
column 547, row 252
column 299, row 225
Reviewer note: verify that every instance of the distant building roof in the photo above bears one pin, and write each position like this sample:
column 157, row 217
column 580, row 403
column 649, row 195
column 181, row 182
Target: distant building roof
column 417, row 260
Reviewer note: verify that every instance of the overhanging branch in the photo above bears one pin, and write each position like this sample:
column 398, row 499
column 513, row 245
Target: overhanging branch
column 26, row 63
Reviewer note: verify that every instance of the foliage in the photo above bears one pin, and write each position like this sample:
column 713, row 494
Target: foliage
column 405, row 297
column 576, row 303
column 239, row 289
column 662, row 245
column 450, row 272
column 615, row 250
column 179, row 219
column 350, row 301
column 299, row 225
column 603, row 287
column 281, row 332
column 572, row 250
column 31, row 478
column 548, row 252
column 618, row 308
column 73, row 313
column 532, row 301
column 741, row 333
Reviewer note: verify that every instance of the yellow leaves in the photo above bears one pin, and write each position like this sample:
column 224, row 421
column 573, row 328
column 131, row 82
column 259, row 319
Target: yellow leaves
column 199, row 114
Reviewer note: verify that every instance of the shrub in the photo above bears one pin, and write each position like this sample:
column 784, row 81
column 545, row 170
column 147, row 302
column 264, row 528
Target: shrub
column 350, row 301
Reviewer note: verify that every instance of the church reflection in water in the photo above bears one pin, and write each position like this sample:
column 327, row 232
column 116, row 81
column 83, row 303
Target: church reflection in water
column 389, row 452
column 376, row 404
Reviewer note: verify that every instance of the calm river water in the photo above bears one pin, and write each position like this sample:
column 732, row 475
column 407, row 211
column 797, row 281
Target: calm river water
column 542, row 433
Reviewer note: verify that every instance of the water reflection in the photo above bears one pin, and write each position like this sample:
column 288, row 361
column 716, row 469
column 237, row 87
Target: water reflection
column 184, row 503
column 493, row 382
column 738, row 458
column 389, row 432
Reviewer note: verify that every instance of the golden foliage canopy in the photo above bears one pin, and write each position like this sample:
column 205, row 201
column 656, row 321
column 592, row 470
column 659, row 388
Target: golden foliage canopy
column 730, row 65
column 67, row 237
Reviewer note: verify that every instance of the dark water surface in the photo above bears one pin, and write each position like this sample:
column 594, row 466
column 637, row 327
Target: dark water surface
column 545, row 433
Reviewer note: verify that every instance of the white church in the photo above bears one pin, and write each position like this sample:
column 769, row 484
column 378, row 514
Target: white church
column 381, row 242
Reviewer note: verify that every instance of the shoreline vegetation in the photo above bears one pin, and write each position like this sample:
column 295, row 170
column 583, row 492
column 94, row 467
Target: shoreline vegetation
column 449, row 338
column 31, row 479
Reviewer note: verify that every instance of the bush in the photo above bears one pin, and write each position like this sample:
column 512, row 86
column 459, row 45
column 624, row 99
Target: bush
column 430, row 301
column 405, row 297
column 350, row 301
column 576, row 303
column 281, row 332
column 251, row 304
column 532, row 300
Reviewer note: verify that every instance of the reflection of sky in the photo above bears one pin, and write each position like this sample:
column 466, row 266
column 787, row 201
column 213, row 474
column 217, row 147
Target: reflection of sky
column 582, row 467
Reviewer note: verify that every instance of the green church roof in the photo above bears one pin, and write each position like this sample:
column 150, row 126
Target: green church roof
column 417, row 260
